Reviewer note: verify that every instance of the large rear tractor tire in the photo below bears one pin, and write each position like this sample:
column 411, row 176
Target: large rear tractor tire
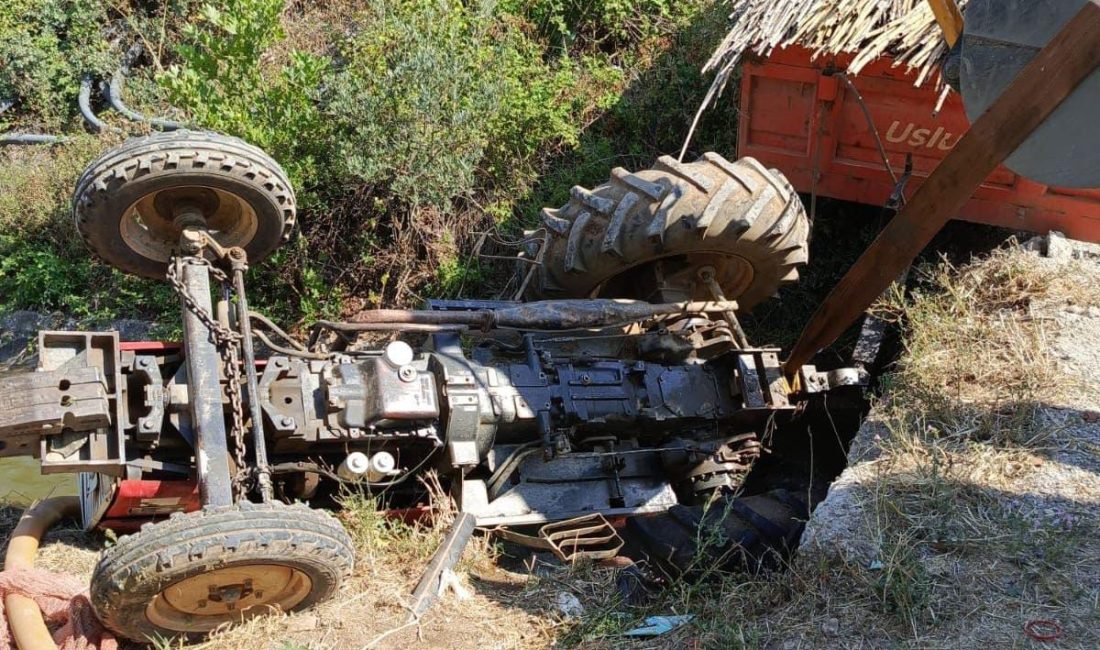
column 647, row 234
column 734, row 532
column 126, row 202
column 195, row 572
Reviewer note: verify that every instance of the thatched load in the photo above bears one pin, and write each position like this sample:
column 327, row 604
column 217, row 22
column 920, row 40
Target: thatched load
column 905, row 29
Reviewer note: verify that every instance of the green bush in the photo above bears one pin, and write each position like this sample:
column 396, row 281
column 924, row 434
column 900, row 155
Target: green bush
column 415, row 96
column 223, row 82
column 48, row 45
column 43, row 263
column 434, row 98
column 606, row 24
column 407, row 126
column 35, row 275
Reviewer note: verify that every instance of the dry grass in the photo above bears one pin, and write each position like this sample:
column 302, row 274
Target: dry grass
column 978, row 508
column 372, row 612
column 37, row 185
column 978, row 333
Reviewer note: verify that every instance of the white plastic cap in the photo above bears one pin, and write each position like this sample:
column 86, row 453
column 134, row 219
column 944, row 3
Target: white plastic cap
column 354, row 466
column 382, row 465
column 398, row 353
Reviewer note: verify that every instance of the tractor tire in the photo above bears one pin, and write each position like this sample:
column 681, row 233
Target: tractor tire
column 184, row 577
column 744, row 532
column 647, row 234
column 123, row 203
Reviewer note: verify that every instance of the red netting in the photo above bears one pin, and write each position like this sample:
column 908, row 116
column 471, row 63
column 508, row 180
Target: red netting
column 63, row 600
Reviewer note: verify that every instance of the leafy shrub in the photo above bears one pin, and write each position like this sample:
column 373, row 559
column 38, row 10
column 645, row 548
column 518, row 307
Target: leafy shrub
column 36, row 275
column 415, row 96
column 605, row 24
column 43, row 264
column 222, row 80
column 48, row 45
column 434, row 97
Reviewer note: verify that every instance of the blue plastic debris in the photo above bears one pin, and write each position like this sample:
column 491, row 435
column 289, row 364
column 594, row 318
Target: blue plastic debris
column 658, row 625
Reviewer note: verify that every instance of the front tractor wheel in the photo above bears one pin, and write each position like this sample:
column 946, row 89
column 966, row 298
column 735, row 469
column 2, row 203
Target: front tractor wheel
column 186, row 576
column 129, row 203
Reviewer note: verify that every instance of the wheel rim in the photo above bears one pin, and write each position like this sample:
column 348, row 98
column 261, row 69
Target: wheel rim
column 679, row 273
column 148, row 229
column 230, row 594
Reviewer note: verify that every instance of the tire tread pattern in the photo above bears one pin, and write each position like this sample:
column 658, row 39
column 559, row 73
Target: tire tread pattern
column 737, row 208
column 130, row 573
column 96, row 212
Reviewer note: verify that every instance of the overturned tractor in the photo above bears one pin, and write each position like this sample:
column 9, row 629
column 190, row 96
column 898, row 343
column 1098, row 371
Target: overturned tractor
column 622, row 385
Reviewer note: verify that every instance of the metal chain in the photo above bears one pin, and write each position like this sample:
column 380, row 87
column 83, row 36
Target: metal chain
column 226, row 341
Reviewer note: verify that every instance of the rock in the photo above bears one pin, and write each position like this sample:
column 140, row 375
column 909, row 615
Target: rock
column 1058, row 247
column 1037, row 244
column 831, row 627
column 569, row 605
column 837, row 526
column 131, row 330
column 18, row 332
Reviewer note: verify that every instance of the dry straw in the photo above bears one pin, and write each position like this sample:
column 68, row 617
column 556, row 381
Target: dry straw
column 905, row 29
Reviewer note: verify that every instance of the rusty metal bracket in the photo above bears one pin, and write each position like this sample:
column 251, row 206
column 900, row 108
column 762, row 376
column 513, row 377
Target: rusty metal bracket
column 590, row 536
column 813, row 381
column 760, row 379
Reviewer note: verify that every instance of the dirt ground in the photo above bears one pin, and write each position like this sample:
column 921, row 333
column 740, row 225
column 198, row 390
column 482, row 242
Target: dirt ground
column 971, row 508
column 973, row 491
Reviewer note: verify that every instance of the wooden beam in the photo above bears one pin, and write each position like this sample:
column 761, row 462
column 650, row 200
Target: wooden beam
column 950, row 19
column 1039, row 88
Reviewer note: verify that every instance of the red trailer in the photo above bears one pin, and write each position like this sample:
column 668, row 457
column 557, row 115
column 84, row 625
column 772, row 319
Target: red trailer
column 799, row 116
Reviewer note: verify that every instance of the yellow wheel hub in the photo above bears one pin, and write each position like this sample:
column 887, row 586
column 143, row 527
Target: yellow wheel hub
column 228, row 595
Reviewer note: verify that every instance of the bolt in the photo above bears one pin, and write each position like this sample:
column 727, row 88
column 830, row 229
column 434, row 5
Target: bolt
column 148, row 425
column 231, row 594
column 407, row 373
column 286, row 421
